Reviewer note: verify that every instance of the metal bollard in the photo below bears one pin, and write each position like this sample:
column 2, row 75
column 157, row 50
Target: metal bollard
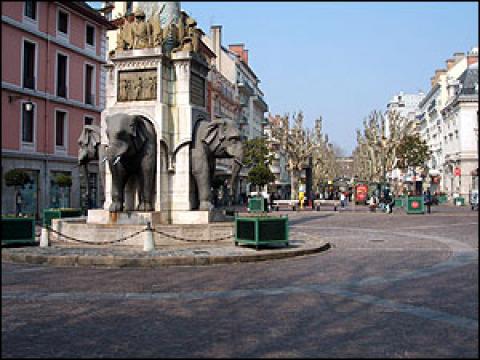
column 44, row 238
column 148, row 243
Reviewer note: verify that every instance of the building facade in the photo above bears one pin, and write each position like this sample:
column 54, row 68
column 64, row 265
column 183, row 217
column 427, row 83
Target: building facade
column 52, row 85
column 447, row 124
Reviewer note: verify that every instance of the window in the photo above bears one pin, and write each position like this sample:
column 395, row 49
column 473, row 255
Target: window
column 88, row 120
column 90, row 35
column 60, row 127
column 89, row 96
column 62, row 75
column 129, row 7
column 27, row 125
column 31, row 9
column 62, row 24
column 28, row 65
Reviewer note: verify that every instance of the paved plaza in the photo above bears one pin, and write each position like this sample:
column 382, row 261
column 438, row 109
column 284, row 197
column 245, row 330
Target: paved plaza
column 389, row 286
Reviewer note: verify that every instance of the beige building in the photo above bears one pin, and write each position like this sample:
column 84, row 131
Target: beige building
column 448, row 119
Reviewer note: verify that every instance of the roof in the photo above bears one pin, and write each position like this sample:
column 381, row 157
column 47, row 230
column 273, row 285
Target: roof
column 469, row 81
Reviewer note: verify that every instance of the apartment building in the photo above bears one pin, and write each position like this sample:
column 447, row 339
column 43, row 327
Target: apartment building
column 448, row 118
column 52, row 85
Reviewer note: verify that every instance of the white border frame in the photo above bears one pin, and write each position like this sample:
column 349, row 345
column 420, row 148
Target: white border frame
column 94, row 82
column 26, row 146
column 35, row 70
column 58, row 33
column 28, row 21
column 67, row 81
column 60, row 150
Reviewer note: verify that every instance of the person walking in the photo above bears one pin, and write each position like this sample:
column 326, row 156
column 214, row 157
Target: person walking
column 342, row 200
column 427, row 200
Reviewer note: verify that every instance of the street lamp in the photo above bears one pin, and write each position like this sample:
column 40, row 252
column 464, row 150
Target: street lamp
column 28, row 105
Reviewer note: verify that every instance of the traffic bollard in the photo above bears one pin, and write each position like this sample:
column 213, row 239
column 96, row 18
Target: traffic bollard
column 148, row 244
column 44, row 238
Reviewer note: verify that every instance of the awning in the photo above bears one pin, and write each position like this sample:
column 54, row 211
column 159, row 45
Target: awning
column 433, row 172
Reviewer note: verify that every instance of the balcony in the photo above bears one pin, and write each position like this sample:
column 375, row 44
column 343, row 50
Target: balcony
column 244, row 88
column 259, row 100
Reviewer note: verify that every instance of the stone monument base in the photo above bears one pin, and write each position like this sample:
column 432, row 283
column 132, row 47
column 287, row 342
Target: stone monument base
column 163, row 235
column 101, row 216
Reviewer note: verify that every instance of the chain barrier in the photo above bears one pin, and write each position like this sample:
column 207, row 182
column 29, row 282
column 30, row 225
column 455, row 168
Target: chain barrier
column 96, row 242
column 131, row 236
column 189, row 240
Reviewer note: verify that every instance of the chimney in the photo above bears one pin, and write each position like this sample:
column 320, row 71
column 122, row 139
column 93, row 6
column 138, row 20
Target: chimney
column 216, row 34
column 472, row 57
column 239, row 49
column 245, row 56
column 438, row 72
column 450, row 63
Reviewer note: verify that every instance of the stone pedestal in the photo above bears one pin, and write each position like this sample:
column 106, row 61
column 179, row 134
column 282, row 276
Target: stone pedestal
column 101, row 216
column 179, row 104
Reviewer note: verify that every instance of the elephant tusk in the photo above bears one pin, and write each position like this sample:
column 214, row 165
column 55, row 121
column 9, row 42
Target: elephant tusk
column 117, row 159
column 104, row 159
column 238, row 162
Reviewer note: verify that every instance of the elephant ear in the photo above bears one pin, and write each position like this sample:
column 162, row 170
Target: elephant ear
column 138, row 133
column 212, row 132
column 93, row 134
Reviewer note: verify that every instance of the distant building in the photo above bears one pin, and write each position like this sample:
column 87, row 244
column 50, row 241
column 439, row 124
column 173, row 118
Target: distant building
column 52, row 85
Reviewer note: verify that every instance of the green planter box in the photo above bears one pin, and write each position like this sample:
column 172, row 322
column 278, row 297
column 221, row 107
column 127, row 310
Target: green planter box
column 261, row 230
column 49, row 214
column 257, row 204
column 442, row 199
column 415, row 205
column 459, row 201
column 18, row 230
column 398, row 202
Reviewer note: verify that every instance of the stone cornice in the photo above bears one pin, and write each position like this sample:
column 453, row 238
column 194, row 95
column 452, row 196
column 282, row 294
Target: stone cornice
column 43, row 95
column 15, row 154
column 83, row 52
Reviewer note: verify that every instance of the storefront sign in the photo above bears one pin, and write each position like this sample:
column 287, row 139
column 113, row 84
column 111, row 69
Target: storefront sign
column 458, row 171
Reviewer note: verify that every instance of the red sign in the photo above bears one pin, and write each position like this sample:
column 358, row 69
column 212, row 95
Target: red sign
column 361, row 192
column 415, row 204
column 458, row 171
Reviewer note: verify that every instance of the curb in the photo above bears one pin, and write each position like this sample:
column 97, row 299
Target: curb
column 151, row 262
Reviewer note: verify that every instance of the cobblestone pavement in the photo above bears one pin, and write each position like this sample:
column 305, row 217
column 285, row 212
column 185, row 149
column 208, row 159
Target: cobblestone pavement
column 391, row 286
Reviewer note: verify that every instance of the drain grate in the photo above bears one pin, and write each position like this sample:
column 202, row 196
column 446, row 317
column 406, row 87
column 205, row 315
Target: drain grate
column 377, row 240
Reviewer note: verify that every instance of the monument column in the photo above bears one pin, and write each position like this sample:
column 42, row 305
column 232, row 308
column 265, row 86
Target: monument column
column 190, row 71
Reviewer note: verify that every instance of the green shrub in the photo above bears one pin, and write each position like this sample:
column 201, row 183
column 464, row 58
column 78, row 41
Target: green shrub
column 63, row 180
column 16, row 177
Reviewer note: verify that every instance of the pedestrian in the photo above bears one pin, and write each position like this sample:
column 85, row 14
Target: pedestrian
column 342, row 200
column 372, row 203
column 427, row 199
column 390, row 203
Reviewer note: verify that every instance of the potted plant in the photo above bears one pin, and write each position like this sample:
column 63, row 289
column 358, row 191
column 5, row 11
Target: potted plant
column 63, row 181
column 17, row 229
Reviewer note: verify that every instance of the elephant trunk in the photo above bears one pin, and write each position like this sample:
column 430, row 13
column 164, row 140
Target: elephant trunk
column 236, row 167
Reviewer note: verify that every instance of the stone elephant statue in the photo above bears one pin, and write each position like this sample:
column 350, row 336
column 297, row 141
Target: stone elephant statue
column 90, row 149
column 219, row 138
column 131, row 153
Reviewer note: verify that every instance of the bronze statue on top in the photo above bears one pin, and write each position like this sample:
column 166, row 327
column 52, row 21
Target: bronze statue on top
column 139, row 34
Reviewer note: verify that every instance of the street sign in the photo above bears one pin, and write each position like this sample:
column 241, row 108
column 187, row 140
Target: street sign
column 458, row 171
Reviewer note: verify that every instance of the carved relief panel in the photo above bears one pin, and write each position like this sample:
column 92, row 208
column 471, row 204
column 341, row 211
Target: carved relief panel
column 137, row 85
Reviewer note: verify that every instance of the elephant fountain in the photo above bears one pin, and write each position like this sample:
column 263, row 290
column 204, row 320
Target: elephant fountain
column 131, row 155
column 219, row 138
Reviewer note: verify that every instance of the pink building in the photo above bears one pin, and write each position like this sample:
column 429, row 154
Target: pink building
column 52, row 84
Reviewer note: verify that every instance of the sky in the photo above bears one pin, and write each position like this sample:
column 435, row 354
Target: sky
column 341, row 60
